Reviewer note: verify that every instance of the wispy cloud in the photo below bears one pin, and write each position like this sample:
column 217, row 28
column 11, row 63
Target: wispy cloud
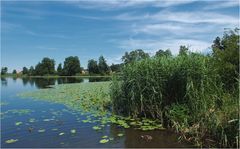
column 120, row 4
column 151, row 46
column 221, row 4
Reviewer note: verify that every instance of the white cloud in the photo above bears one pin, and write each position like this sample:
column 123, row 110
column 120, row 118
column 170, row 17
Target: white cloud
column 119, row 4
column 182, row 17
column 151, row 46
column 222, row 4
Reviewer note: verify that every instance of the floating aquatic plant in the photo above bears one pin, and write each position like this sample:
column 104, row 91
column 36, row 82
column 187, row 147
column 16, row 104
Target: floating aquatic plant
column 73, row 131
column 18, row 123
column 11, row 141
column 120, row 135
column 103, row 141
column 41, row 130
column 62, row 133
column 96, row 128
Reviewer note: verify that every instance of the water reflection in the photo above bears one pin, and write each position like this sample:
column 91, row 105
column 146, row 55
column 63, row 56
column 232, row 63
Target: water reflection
column 46, row 82
column 99, row 79
column 3, row 81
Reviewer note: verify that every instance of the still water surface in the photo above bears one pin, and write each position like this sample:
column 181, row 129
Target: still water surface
column 56, row 118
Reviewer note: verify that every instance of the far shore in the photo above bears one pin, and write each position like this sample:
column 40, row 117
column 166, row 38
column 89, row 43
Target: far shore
column 82, row 76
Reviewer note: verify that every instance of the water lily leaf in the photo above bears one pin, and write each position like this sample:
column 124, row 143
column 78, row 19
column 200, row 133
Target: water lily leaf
column 110, row 139
column 104, row 137
column 73, row 131
column 11, row 141
column 31, row 120
column 103, row 141
column 96, row 127
column 54, row 129
column 18, row 123
column 47, row 120
column 120, row 134
column 62, row 133
column 41, row 130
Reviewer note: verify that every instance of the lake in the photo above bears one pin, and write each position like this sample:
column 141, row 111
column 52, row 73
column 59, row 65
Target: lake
column 35, row 123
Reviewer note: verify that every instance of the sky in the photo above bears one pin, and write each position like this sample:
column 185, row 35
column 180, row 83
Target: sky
column 31, row 30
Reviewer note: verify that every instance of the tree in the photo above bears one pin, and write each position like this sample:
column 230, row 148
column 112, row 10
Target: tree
column 183, row 50
column 102, row 65
column 71, row 66
column 31, row 71
column 226, row 56
column 161, row 52
column 46, row 67
column 4, row 70
column 60, row 69
column 14, row 71
column 25, row 71
column 116, row 67
column 93, row 67
column 135, row 55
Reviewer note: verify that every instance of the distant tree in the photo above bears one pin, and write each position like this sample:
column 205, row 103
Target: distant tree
column 161, row 52
column 46, row 67
column 93, row 67
column 116, row 67
column 4, row 70
column 226, row 56
column 102, row 66
column 25, row 71
column 135, row 55
column 14, row 71
column 183, row 50
column 71, row 66
column 60, row 69
column 31, row 71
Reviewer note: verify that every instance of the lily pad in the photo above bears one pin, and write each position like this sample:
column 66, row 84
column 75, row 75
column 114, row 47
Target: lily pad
column 73, row 131
column 11, row 141
column 104, row 137
column 120, row 135
column 62, row 133
column 103, row 141
column 18, row 123
column 31, row 120
column 41, row 130
column 96, row 127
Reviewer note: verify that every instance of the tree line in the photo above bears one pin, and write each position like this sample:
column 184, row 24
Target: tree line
column 71, row 66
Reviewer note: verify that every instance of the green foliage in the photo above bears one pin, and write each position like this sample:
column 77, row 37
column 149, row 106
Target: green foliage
column 116, row 67
column 183, row 50
column 102, row 66
column 25, row 71
column 31, row 71
column 161, row 52
column 226, row 56
column 134, row 56
column 185, row 92
column 14, row 71
column 46, row 67
column 60, row 69
column 93, row 67
column 4, row 70
column 71, row 66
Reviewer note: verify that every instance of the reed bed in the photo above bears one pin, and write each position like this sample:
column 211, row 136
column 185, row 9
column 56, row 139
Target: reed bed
column 183, row 92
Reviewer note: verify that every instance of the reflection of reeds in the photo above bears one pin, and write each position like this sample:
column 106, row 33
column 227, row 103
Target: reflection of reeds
column 185, row 92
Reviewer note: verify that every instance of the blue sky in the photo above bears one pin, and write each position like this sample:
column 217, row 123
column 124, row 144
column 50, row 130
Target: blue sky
column 31, row 30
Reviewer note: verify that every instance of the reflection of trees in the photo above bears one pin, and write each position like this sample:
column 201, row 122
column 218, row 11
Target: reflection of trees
column 99, row 79
column 25, row 81
column 69, row 80
column 14, row 79
column 44, row 82
column 3, row 81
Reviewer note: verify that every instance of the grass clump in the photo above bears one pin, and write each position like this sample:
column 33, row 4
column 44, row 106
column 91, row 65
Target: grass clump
column 184, row 92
